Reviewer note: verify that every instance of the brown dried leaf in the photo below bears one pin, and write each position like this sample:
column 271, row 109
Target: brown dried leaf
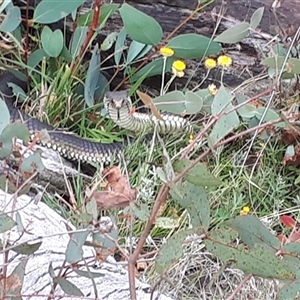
column 147, row 100
column 118, row 193
column 110, row 200
column 289, row 136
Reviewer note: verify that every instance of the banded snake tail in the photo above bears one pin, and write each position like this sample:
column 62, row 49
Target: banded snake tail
column 72, row 147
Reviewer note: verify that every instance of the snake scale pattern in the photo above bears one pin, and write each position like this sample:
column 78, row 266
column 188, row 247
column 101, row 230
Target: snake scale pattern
column 74, row 148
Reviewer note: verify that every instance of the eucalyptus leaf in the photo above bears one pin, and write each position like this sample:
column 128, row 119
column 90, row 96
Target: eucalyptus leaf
column 136, row 50
column 252, row 232
column 32, row 164
column 270, row 115
column 119, row 46
column 289, row 291
column 194, row 199
column 139, row 26
column 74, row 248
column 173, row 102
column 4, row 115
column 47, row 12
column 235, row 34
column 6, row 222
column 256, row 17
column 193, row 103
column 26, row 248
column 36, row 57
column 225, row 124
column 92, row 78
column 78, row 39
column 198, row 175
column 52, row 41
column 275, row 62
column 170, row 252
column 109, row 41
column 12, row 19
column 192, row 45
column 294, row 65
column 155, row 67
column 68, row 287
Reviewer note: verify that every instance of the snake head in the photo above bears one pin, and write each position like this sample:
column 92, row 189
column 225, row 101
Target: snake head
column 117, row 100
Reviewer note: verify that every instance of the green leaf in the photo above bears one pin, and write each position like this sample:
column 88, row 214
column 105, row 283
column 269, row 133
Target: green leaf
column 275, row 62
column 46, row 12
column 256, row 261
column 91, row 209
column 139, row 26
column 32, row 164
column 74, row 248
column 52, row 42
column 294, row 65
column 293, row 248
column 108, row 41
column 221, row 101
column 5, row 184
column 78, row 39
column 253, row 232
column 120, row 42
column 170, row 252
column 16, row 278
column 235, row 34
column 271, row 115
column 18, row 130
column 289, row 291
column 136, row 50
column 225, row 124
column 6, row 223
column 247, row 111
column 26, row 248
column 107, row 241
column 194, row 199
column 87, row 274
column 141, row 211
column 155, row 67
column 4, row 116
column 95, row 82
column 36, row 57
column 256, row 17
column 193, row 102
column 12, row 20
column 192, row 45
column 199, row 174
column 173, row 102
column 224, row 235
column 68, row 287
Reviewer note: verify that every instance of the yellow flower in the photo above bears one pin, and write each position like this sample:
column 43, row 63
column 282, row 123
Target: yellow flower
column 224, row 61
column 212, row 89
column 166, row 51
column 191, row 138
column 178, row 68
column 245, row 211
column 210, row 63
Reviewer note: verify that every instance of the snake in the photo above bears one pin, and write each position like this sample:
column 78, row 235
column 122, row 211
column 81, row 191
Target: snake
column 72, row 147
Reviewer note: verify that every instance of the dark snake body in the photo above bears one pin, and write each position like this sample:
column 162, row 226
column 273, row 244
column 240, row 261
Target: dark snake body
column 118, row 105
column 67, row 145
